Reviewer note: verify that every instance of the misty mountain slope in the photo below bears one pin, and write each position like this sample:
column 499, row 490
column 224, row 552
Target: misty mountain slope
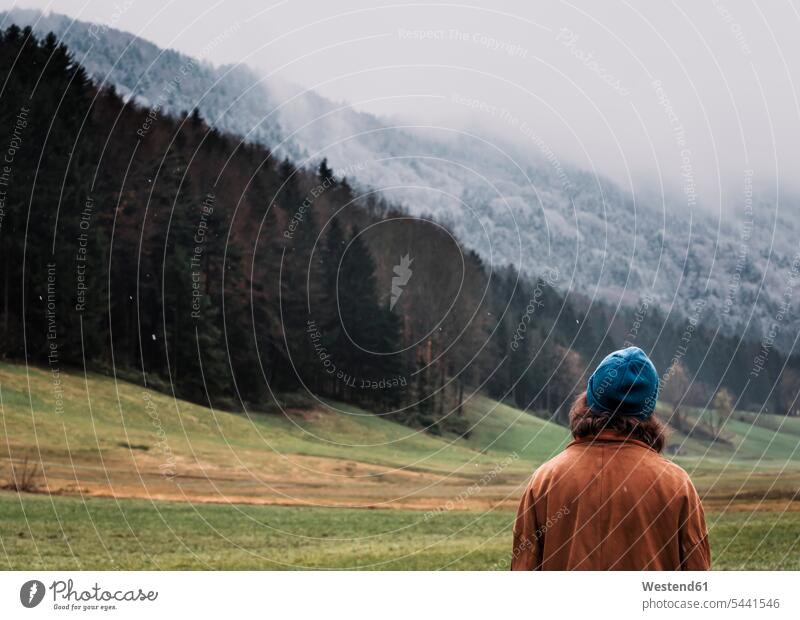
column 154, row 77
column 511, row 204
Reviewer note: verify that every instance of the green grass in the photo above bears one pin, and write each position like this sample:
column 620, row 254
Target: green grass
column 133, row 534
column 766, row 439
column 328, row 455
column 755, row 540
column 68, row 533
column 110, row 413
column 499, row 428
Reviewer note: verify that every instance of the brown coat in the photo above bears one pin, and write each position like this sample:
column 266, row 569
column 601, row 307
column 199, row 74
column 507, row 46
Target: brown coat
column 610, row 503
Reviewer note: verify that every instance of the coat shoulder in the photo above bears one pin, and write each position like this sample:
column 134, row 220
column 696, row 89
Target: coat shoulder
column 657, row 466
column 668, row 476
column 668, row 467
column 555, row 467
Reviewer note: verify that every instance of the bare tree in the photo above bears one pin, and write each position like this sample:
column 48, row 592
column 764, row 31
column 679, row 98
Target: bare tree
column 675, row 390
column 722, row 408
column 23, row 477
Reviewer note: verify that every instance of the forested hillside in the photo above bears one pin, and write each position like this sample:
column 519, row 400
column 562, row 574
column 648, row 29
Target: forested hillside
column 192, row 261
column 513, row 203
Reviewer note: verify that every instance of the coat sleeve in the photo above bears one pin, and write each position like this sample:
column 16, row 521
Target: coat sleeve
column 527, row 552
column 693, row 535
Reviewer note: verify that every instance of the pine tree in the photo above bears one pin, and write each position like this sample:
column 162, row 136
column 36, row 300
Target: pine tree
column 300, row 282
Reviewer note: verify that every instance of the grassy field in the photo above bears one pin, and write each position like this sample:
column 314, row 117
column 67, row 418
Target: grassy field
column 115, row 439
column 130, row 478
column 68, row 532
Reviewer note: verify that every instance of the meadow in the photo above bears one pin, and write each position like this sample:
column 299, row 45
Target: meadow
column 128, row 478
column 46, row 533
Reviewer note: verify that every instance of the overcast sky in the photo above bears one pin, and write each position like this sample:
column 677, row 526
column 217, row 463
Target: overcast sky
column 696, row 92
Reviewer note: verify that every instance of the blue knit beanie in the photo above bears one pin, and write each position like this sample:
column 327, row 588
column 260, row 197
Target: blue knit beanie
column 625, row 383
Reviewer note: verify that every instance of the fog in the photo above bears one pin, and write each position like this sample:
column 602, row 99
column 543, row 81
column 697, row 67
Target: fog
column 692, row 96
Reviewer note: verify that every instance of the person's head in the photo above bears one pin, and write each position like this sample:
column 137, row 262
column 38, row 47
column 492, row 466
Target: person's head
column 583, row 422
column 621, row 395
